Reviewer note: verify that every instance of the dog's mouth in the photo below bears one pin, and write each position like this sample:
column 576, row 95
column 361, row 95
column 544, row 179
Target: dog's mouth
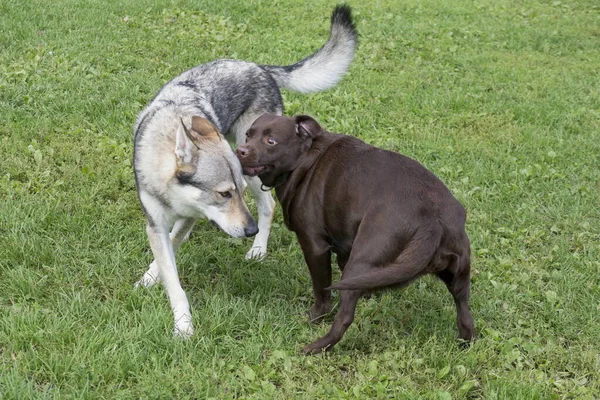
column 254, row 170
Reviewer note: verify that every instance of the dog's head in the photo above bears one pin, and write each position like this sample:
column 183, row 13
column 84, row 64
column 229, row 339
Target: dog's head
column 276, row 145
column 209, row 180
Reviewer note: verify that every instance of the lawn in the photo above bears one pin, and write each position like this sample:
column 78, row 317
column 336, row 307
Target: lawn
column 499, row 98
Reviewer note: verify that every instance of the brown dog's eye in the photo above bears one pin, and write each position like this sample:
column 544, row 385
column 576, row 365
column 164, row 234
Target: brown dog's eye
column 225, row 195
column 247, row 134
column 271, row 141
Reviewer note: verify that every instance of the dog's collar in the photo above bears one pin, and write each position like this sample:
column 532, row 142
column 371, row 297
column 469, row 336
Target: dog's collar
column 281, row 179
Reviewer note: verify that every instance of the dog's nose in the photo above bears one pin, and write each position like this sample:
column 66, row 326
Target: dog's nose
column 251, row 229
column 242, row 151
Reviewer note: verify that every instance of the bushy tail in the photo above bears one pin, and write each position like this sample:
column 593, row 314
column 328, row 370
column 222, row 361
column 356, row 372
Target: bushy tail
column 410, row 264
column 325, row 68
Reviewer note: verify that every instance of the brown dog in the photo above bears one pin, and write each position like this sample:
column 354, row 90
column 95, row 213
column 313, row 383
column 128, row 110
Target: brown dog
column 386, row 217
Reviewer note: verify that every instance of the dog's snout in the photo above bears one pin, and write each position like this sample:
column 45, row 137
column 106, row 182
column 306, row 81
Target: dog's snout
column 251, row 229
column 242, row 151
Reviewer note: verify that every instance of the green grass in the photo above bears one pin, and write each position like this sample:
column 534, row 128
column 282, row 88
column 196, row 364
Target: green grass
column 501, row 99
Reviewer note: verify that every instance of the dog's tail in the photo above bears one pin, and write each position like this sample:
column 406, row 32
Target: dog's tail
column 325, row 68
column 410, row 264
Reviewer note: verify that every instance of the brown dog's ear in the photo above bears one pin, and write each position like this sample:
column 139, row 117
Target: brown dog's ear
column 306, row 127
column 204, row 128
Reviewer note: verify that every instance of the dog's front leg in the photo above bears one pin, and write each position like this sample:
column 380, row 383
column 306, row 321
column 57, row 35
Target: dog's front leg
column 266, row 209
column 179, row 234
column 344, row 316
column 318, row 259
column 162, row 248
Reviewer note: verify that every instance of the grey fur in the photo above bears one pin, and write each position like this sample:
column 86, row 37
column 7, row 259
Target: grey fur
column 223, row 90
column 176, row 186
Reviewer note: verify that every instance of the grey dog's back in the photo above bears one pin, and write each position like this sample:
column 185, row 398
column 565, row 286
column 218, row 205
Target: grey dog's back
column 227, row 91
column 220, row 90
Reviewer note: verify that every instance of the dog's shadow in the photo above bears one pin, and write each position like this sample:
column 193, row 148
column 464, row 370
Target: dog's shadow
column 417, row 315
column 210, row 259
column 212, row 262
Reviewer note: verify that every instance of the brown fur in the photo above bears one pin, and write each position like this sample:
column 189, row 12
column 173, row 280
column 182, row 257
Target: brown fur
column 387, row 218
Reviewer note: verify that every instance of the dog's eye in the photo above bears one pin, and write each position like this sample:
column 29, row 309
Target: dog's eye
column 225, row 195
column 271, row 141
column 247, row 134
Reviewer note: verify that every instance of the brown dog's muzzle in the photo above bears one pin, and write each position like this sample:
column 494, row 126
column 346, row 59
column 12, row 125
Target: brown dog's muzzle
column 242, row 152
column 248, row 160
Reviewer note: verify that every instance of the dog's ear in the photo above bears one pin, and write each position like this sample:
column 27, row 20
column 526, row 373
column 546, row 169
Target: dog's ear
column 307, row 127
column 185, row 148
column 204, row 128
column 188, row 141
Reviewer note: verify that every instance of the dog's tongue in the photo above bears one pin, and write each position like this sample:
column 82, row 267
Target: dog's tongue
column 253, row 171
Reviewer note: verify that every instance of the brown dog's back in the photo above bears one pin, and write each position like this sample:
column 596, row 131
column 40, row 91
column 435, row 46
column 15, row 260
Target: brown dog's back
column 379, row 190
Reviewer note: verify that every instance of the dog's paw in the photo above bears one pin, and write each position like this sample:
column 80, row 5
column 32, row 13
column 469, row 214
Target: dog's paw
column 317, row 313
column 147, row 281
column 256, row 253
column 465, row 344
column 150, row 278
column 315, row 348
column 183, row 327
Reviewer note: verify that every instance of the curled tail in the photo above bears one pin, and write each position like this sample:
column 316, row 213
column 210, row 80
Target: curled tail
column 410, row 264
column 325, row 68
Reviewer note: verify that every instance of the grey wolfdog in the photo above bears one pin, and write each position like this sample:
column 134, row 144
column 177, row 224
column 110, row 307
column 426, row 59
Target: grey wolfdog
column 185, row 170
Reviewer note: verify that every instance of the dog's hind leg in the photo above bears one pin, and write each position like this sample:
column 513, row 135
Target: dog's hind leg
column 179, row 234
column 343, row 320
column 367, row 251
column 374, row 262
column 457, row 281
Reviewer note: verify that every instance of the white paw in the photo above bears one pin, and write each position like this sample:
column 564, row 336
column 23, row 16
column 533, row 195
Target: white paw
column 150, row 278
column 183, row 327
column 147, row 281
column 256, row 253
